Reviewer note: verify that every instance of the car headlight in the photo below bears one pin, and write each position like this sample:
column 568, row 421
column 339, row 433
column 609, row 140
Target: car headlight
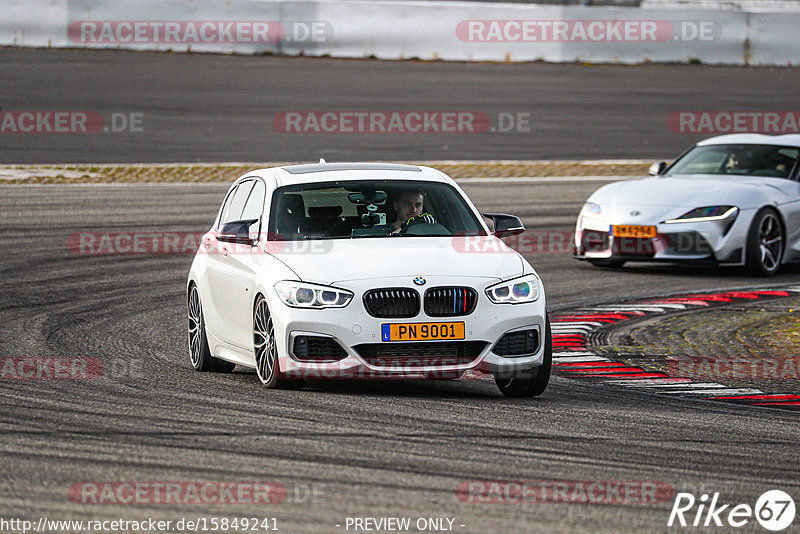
column 516, row 291
column 303, row 295
column 708, row 213
column 591, row 209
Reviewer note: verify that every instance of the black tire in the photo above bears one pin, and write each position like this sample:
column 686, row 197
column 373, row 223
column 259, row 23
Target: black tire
column 266, row 350
column 614, row 264
column 766, row 242
column 530, row 382
column 199, row 354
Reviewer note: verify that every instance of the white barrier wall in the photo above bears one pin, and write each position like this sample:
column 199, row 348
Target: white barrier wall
column 470, row 31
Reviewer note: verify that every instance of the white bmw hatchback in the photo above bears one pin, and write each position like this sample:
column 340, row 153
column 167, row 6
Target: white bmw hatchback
column 364, row 270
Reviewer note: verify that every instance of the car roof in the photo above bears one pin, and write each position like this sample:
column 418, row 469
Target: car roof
column 326, row 167
column 753, row 139
column 332, row 172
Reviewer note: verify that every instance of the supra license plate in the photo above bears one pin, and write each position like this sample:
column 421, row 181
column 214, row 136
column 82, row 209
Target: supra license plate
column 633, row 230
column 421, row 331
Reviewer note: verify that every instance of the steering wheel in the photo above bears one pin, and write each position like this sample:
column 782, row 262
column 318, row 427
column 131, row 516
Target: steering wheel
column 425, row 218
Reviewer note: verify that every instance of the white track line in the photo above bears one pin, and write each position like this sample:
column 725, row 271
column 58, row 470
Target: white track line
column 652, row 382
column 545, row 179
column 655, row 308
column 586, row 327
column 579, row 359
column 717, row 392
column 684, row 386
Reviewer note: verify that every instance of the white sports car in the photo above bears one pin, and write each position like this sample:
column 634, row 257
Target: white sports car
column 362, row 270
column 729, row 200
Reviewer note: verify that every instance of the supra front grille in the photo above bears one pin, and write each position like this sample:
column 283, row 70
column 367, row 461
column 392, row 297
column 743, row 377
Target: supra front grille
column 594, row 241
column 411, row 355
column 687, row 244
column 392, row 302
column 317, row 349
column 450, row 301
column 633, row 246
column 518, row 343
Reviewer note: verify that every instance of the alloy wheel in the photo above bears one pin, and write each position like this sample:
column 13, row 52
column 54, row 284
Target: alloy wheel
column 264, row 342
column 770, row 241
column 195, row 327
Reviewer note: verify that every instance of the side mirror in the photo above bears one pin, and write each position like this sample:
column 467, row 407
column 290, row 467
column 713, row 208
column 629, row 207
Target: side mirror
column 237, row 232
column 657, row 168
column 504, row 224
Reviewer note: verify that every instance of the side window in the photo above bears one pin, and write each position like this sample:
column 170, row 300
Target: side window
column 783, row 161
column 710, row 161
column 226, row 205
column 255, row 202
column 235, row 205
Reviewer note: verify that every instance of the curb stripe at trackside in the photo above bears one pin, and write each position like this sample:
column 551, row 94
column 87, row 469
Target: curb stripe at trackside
column 573, row 359
column 774, row 396
column 711, row 388
column 655, row 382
column 634, row 376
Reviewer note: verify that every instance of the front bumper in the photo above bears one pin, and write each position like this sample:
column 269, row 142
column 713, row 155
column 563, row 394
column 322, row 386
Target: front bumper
column 717, row 242
column 359, row 336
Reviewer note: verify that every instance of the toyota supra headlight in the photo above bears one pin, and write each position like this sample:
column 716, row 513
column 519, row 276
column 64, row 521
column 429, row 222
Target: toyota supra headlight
column 708, row 213
column 591, row 209
column 516, row 291
column 303, row 295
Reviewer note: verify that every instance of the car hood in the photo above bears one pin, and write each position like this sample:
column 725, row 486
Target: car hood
column 691, row 191
column 341, row 260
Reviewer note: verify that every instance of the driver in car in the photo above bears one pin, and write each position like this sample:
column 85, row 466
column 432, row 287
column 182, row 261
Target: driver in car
column 742, row 162
column 409, row 208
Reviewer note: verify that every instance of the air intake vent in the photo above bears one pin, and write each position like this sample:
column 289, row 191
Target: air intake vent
column 450, row 301
column 518, row 343
column 317, row 349
column 415, row 355
column 392, row 302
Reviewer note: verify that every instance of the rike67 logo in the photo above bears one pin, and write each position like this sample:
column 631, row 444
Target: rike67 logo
column 774, row 510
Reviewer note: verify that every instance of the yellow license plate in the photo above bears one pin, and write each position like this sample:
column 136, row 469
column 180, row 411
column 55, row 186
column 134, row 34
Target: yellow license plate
column 632, row 230
column 421, row 331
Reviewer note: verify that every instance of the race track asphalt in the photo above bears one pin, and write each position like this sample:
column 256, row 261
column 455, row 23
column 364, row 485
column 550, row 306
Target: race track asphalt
column 202, row 107
column 370, row 449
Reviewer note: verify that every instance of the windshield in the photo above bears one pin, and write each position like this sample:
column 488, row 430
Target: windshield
column 750, row 160
column 363, row 208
